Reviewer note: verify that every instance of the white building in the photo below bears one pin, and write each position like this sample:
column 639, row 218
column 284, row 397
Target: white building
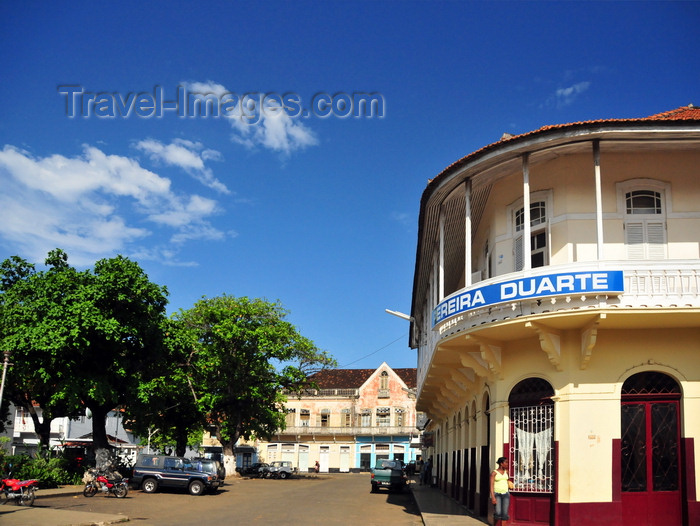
column 75, row 434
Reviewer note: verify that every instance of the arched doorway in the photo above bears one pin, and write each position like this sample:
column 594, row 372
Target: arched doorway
column 531, row 452
column 650, row 450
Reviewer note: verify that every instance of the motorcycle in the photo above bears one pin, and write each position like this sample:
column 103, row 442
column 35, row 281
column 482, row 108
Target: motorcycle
column 97, row 481
column 23, row 492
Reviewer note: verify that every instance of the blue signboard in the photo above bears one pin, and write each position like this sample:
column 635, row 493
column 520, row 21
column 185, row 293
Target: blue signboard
column 546, row 285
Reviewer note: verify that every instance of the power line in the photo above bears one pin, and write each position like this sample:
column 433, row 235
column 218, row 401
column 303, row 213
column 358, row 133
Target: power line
column 375, row 352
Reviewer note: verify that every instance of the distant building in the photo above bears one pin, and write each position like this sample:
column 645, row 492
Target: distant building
column 556, row 308
column 73, row 435
column 354, row 417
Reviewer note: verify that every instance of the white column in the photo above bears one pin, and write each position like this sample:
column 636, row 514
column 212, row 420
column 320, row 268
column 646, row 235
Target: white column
column 598, row 198
column 527, row 248
column 441, row 256
column 467, row 233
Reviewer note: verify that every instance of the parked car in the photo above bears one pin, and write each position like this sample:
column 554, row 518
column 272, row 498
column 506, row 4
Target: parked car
column 388, row 474
column 151, row 472
column 281, row 469
column 259, row 469
column 209, row 465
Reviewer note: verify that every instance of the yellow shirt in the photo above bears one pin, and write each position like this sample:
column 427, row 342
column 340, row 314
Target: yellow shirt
column 500, row 482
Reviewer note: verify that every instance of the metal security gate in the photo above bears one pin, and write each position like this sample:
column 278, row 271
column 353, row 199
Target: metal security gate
column 531, row 452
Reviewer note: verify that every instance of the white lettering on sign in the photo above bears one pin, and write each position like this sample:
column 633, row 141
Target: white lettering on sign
column 534, row 287
column 544, row 285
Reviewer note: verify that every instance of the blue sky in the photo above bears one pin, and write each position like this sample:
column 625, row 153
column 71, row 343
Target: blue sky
column 317, row 211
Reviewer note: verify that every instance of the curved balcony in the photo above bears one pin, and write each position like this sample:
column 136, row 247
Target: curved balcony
column 670, row 289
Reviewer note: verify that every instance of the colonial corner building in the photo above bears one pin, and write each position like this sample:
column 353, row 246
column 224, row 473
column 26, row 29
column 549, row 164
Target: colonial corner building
column 556, row 313
column 351, row 418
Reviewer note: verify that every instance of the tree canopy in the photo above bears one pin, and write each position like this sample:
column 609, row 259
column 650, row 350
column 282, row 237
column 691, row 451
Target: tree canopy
column 244, row 354
column 80, row 339
column 164, row 411
column 98, row 339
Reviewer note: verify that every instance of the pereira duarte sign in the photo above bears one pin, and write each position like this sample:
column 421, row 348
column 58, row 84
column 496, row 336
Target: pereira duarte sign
column 547, row 285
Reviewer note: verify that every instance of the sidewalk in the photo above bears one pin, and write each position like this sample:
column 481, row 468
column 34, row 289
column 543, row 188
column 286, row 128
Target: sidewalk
column 12, row 515
column 437, row 509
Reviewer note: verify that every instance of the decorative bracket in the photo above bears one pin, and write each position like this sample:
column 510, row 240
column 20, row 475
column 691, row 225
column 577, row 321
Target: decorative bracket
column 454, row 386
column 589, row 336
column 465, row 378
column 473, row 361
column 550, row 341
column 490, row 353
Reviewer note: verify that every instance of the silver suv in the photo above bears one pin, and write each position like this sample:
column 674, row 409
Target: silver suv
column 281, row 469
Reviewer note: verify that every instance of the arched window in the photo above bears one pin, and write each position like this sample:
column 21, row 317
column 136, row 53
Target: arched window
column 346, row 417
column 383, row 416
column 532, row 436
column 383, row 385
column 539, row 251
column 399, row 415
column 642, row 203
column 366, row 418
column 325, row 417
column 290, row 418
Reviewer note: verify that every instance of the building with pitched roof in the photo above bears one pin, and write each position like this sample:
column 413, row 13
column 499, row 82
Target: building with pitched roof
column 556, row 313
column 351, row 418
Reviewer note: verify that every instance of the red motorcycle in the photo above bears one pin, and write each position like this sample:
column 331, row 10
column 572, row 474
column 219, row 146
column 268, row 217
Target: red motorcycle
column 23, row 492
column 99, row 481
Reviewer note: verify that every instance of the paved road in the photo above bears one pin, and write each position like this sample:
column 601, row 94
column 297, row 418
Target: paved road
column 313, row 500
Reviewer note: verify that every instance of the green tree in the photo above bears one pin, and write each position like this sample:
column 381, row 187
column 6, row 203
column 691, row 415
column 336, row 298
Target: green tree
column 245, row 354
column 165, row 412
column 91, row 336
column 25, row 295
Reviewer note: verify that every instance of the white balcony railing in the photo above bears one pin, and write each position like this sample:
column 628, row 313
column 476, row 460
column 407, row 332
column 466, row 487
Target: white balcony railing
column 668, row 284
column 331, row 393
column 351, row 430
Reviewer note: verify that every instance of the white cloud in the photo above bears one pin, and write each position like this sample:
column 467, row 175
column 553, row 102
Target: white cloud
column 187, row 155
column 182, row 214
column 566, row 96
column 254, row 125
column 402, row 218
column 92, row 205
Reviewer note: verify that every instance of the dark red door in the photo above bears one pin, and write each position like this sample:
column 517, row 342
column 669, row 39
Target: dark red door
column 650, row 472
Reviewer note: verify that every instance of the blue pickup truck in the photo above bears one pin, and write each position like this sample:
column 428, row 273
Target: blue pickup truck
column 160, row 471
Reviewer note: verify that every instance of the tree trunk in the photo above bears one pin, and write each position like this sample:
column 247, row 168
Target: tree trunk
column 41, row 428
column 100, row 444
column 180, row 443
column 229, row 458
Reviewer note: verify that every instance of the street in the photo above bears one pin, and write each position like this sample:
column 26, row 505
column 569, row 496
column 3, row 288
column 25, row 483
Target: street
column 309, row 500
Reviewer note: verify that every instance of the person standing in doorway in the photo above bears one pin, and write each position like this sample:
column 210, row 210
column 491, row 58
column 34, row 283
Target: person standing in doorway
column 500, row 495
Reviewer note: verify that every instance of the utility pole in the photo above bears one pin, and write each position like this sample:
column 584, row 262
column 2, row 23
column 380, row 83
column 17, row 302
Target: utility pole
column 5, row 364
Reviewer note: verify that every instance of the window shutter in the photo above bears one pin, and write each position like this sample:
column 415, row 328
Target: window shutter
column 655, row 240
column 634, row 239
column 645, row 240
column 518, row 253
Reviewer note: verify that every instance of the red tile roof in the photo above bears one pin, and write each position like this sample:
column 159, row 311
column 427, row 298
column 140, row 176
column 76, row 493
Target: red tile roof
column 354, row 378
column 689, row 113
